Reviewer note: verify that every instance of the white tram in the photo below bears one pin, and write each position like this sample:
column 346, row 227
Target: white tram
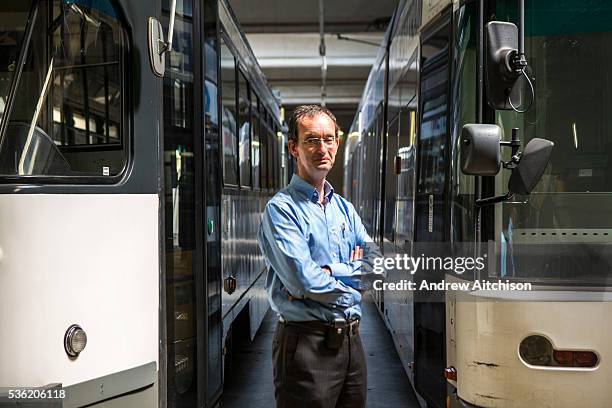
column 138, row 144
column 434, row 74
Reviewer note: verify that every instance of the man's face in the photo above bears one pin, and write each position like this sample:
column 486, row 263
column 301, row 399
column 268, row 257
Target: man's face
column 315, row 150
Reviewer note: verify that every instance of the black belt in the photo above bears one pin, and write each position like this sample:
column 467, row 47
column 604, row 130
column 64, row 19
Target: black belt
column 321, row 327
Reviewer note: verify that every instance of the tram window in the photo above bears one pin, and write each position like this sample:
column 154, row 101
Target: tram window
column 69, row 99
column 391, row 177
column 265, row 160
column 371, row 162
column 263, row 140
column 394, row 102
column 408, row 104
column 355, row 186
column 277, row 164
column 378, row 160
column 269, row 156
column 464, row 83
column 405, row 97
column 266, row 135
column 210, row 84
column 13, row 19
column 276, row 149
column 271, row 153
column 279, row 137
column 255, row 153
column 244, row 130
column 368, row 179
column 181, row 153
column 228, row 98
column 283, row 158
column 433, row 137
column 213, row 353
column 570, row 63
column 405, row 180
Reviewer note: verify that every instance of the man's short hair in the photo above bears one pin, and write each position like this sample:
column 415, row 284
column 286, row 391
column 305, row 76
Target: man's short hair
column 308, row 111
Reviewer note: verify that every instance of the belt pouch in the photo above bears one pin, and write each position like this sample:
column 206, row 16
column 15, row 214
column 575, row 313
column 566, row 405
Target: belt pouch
column 335, row 334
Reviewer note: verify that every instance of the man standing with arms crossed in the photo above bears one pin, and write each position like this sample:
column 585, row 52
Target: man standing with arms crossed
column 313, row 243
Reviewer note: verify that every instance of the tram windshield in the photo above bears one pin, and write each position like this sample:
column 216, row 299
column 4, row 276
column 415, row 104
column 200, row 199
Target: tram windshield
column 562, row 232
column 13, row 20
column 61, row 88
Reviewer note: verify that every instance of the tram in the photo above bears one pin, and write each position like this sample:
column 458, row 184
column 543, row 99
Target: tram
column 405, row 174
column 139, row 142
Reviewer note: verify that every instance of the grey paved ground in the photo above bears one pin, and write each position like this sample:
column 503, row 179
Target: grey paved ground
column 250, row 383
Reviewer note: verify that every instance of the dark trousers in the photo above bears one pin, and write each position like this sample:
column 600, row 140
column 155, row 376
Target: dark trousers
column 308, row 374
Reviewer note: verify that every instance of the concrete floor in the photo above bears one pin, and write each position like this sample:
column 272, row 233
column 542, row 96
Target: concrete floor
column 249, row 384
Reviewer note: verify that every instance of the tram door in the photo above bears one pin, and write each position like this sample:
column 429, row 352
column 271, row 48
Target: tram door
column 212, row 216
column 191, row 205
column 431, row 217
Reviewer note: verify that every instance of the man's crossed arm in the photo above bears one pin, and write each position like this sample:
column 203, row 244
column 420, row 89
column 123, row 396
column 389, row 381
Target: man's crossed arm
column 359, row 271
column 283, row 243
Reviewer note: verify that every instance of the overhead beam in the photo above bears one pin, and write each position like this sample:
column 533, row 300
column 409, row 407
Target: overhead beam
column 305, row 62
column 336, row 92
column 302, row 50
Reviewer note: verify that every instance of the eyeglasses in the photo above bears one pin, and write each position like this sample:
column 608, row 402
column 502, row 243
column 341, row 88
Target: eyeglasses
column 316, row 141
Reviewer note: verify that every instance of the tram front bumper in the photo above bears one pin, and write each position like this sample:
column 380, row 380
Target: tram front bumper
column 455, row 402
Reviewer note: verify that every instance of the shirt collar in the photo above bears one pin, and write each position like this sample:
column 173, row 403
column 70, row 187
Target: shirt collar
column 305, row 188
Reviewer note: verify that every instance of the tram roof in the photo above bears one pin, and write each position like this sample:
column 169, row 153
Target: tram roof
column 370, row 97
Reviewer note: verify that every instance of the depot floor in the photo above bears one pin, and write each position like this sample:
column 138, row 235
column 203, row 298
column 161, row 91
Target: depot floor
column 250, row 382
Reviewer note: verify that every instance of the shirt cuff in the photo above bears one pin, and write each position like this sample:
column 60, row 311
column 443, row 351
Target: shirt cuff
column 343, row 269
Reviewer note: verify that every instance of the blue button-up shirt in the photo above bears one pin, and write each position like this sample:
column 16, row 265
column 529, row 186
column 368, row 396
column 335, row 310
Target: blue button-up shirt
column 298, row 236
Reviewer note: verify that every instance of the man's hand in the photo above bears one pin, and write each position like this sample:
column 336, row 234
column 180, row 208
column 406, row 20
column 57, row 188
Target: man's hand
column 356, row 253
column 326, row 269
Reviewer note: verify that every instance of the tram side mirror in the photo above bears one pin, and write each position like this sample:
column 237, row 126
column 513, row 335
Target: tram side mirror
column 480, row 149
column 501, row 77
column 481, row 156
column 533, row 161
column 157, row 56
column 158, row 47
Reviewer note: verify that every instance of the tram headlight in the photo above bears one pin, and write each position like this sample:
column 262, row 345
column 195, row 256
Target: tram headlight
column 536, row 350
column 75, row 340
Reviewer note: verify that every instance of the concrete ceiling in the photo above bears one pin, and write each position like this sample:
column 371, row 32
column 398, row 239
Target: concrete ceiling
column 298, row 16
column 284, row 36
